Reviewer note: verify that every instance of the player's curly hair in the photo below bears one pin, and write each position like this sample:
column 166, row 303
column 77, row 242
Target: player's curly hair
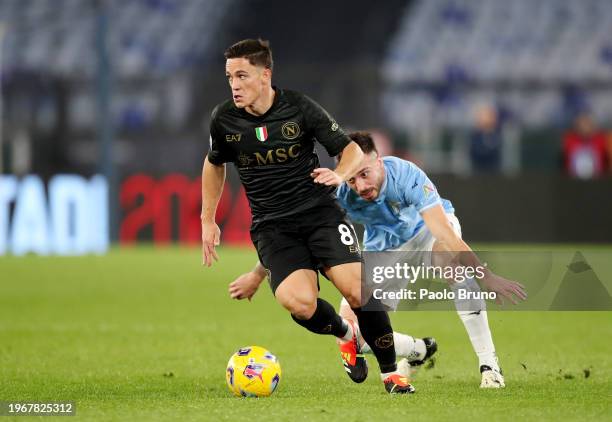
column 257, row 52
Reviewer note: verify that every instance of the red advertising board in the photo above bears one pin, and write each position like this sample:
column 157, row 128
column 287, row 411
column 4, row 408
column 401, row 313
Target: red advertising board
column 167, row 210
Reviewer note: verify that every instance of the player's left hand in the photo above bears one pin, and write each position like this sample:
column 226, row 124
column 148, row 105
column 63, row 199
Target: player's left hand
column 504, row 288
column 326, row 176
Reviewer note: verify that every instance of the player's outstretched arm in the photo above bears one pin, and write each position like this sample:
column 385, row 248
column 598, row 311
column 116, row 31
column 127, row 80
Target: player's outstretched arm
column 448, row 241
column 347, row 166
column 246, row 285
column 213, row 178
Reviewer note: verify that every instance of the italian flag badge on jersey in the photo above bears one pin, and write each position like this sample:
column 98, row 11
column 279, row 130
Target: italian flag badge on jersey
column 262, row 133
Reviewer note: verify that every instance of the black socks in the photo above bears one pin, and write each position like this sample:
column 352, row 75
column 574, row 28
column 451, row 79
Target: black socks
column 376, row 329
column 374, row 324
column 325, row 320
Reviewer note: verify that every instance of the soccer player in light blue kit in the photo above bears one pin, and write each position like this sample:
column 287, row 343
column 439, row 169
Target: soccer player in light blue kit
column 401, row 210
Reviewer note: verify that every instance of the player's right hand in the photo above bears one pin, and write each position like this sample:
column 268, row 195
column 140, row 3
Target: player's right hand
column 326, row 177
column 504, row 288
column 210, row 238
column 245, row 286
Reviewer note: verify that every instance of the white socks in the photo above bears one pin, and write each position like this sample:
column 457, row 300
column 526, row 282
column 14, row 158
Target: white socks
column 477, row 327
column 473, row 314
column 405, row 346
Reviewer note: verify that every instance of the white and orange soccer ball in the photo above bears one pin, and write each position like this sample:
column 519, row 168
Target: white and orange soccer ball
column 253, row 372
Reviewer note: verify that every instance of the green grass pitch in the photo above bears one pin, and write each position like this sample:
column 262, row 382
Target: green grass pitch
column 145, row 334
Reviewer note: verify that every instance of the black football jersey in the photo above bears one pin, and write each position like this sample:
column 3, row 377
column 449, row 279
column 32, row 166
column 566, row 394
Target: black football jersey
column 274, row 153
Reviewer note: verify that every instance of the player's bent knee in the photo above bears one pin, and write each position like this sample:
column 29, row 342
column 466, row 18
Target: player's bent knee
column 298, row 293
column 354, row 298
column 301, row 308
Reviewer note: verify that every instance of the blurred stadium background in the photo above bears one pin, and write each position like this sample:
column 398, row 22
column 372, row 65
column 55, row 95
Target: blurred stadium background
column 508, row 105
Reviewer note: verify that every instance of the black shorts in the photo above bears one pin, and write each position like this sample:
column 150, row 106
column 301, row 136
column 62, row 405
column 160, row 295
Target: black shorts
column 316, row 238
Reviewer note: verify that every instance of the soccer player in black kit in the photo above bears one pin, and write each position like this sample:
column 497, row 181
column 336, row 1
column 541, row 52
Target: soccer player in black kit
column 298, row 227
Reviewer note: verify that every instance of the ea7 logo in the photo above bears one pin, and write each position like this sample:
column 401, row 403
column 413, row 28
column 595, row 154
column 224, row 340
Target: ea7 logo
column 234, row 137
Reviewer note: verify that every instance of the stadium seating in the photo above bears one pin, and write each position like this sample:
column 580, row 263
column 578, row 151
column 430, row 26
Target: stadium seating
column 148, row 37
column 151, row 44
column 449, row 55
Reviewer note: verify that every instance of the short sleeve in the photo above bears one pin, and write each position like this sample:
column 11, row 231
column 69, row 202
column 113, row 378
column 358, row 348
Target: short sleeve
column 417, row 189
column 326, row 130
column 218, row 152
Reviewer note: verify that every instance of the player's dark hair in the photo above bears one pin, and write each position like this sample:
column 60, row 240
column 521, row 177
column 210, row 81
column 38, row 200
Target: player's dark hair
column 257, row 52
column 365, row 142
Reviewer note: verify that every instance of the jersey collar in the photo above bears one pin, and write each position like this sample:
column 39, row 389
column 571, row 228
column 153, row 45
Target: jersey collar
column 277, row 95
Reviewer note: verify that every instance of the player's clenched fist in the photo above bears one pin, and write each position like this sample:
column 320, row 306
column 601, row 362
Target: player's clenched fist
column 210, row 238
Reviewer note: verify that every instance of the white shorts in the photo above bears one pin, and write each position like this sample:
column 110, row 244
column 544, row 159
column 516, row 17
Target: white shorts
column 418, row 250
column 421, row 244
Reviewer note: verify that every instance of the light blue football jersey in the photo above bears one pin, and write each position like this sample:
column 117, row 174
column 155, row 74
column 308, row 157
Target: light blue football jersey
column 394, row 217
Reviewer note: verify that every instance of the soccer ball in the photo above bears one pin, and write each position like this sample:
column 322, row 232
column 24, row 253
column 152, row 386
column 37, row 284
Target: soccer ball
column 253, row 372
